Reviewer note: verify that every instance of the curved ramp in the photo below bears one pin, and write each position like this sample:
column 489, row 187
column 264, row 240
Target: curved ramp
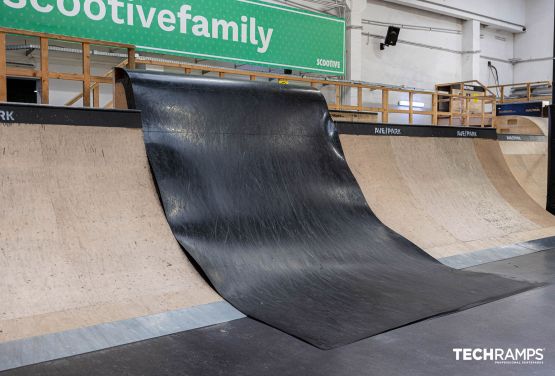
column 527, row 156
column 450, row 196
column 256, row 188
column 84, row 240
column 528, row 125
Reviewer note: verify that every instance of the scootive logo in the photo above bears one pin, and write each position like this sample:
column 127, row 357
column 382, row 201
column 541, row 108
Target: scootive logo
column 516, row 356
column 328, row 63
column 388, row 131
column 7, row 116
column 467, row 134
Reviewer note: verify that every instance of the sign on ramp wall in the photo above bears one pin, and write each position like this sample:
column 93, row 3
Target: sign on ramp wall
column 240, row 31
column 256, row 189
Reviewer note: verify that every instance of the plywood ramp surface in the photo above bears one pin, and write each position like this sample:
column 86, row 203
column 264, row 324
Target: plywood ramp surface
column 528, row 159
column 448, row 195
column 83, row 236
column 522, row 125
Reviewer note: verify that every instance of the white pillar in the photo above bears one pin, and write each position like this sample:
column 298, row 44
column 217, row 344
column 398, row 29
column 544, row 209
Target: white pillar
column 354, row 46
column 471, row 45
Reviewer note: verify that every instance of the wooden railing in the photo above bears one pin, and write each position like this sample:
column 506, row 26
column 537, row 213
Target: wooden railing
column 467, row 107
column 45, row 74
column 501, row 91
column 338, row 91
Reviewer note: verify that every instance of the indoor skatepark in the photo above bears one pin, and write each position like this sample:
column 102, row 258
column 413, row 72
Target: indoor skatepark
column 218, row 220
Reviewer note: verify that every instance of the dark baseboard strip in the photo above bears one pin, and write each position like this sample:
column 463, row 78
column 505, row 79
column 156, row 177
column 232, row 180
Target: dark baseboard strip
column 13, row 113
column 368, row 129
column 521, row 137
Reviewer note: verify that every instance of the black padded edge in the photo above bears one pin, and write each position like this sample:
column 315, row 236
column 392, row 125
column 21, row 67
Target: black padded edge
column 12, row 113
column 377, row 129
column 521, row 137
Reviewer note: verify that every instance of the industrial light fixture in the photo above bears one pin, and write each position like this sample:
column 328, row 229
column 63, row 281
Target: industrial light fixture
column 391, row 37
column 414, row 104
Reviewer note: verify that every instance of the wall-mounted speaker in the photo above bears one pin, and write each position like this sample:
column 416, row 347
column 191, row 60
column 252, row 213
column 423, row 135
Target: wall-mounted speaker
column 391, row 38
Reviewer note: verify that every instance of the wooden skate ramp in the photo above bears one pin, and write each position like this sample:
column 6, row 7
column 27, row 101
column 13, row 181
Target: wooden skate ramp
column 84, row 237
column 526, row 156
column 450, row 196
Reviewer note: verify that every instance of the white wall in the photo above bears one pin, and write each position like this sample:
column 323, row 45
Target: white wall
column 498, row 47
column 405, row 64
column 536, row 43
column 505, row 10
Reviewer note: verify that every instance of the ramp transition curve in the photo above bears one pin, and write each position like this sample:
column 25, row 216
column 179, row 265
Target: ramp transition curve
column 256, row 189
column 450, row 196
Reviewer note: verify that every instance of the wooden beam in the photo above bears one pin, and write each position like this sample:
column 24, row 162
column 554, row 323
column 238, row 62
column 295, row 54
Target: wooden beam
column 65, row 76
column 385, row 106
column 86, row 75
column 411, row 108
column 483, row 109
column 3, row 76
column 44, row 80
column 131, row 58
column 359, row 98
column 96, row 96
column 434, row 108
column 64, row 38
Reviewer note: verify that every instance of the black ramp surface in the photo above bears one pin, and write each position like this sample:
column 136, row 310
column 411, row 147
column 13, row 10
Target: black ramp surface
column 256, row 189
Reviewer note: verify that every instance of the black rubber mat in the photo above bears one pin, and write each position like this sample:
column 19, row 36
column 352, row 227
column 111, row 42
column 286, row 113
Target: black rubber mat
column 256, row 189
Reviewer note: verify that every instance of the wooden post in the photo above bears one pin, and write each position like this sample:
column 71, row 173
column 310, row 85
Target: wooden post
column 252, row 77
column 483, row 106
column 385, row 106
column 451, row 101
column 493, row 113
column 221, row 74
column 3, row 77
column 502, row 93
column 86, row 75
column 359, row 98
column 96, row 95
column 338, row 96
column 467, row 109
column 529, row 90
column 434, row 108
column 44, row 79
column 411, row 108
column 188, row 71
column 131, row 58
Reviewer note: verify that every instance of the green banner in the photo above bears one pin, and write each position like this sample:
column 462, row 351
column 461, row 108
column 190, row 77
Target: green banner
column 241, row 31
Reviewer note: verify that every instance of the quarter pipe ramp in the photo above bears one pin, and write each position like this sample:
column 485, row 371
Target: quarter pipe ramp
column 84, row 240
column 525, row 150
column 448, row 195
